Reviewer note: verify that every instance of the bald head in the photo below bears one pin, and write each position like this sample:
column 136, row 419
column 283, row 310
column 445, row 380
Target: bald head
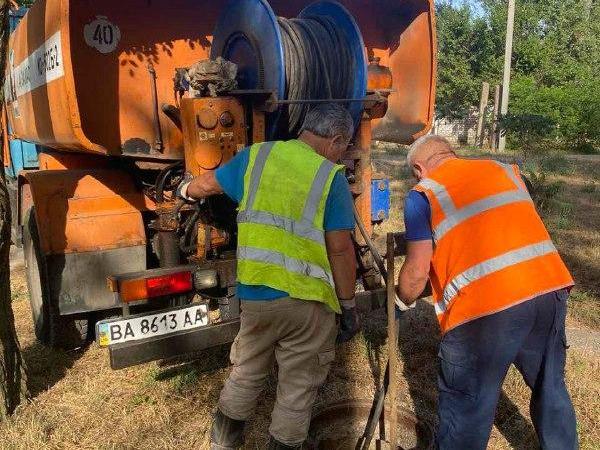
column 427, row 153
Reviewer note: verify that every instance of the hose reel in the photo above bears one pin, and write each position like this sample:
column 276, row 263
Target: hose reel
column 317, row 56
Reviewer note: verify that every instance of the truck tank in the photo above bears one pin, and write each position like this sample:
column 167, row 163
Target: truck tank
column 89, row 76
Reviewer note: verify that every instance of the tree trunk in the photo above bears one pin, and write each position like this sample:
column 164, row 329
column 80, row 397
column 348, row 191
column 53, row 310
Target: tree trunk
column 13, row 386
column 13, row 382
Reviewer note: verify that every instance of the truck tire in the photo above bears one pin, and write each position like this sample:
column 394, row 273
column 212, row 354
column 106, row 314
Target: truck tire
column 51, row 328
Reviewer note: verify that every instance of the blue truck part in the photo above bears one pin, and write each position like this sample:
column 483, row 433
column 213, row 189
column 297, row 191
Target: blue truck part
column 380, row 199
column 23, row 155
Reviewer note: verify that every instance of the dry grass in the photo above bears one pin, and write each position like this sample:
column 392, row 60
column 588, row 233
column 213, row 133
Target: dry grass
column 80, row 403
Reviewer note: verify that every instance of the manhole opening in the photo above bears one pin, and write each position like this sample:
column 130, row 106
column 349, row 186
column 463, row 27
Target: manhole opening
column 339, row 426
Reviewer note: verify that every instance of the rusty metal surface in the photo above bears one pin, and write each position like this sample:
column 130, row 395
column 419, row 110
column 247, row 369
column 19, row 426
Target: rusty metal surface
column 364, row 174
column 379, row 76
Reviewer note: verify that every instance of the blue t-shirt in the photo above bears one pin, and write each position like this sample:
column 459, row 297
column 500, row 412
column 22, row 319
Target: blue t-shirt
column 339, row 214
column 417, row 217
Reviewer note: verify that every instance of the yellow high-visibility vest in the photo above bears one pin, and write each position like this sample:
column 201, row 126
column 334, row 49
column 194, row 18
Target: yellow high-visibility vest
column 281, row 238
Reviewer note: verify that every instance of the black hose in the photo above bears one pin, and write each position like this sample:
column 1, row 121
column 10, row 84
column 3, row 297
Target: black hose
column 318, row 64
column 162, row 179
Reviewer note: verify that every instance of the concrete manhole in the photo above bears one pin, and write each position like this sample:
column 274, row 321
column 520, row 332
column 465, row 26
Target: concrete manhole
column 339, row 426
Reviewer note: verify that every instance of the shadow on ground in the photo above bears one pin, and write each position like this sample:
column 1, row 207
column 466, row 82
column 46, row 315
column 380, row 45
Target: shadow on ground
column 418, row 346
column 47, row 366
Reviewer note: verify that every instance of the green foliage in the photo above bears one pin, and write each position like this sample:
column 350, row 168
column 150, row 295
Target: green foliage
column 529, row 132
column 543, row 191
column 185, row 381
column 556, row 66
column 465, row 58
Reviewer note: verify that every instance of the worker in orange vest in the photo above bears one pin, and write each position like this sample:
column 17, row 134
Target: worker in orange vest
column 500, row 290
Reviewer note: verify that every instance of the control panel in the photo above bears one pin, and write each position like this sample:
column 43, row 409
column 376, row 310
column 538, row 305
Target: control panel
column 214, row 130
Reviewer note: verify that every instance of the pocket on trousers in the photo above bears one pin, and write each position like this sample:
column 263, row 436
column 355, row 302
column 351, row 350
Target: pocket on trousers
column 326, row 358
column 324, row 361
column 457, row 371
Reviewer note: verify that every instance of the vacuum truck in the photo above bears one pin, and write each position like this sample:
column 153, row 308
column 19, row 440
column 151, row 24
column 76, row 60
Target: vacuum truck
column 108, row 105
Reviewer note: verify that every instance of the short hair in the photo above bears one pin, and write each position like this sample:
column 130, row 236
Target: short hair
column 429, row 139
column 328, row 120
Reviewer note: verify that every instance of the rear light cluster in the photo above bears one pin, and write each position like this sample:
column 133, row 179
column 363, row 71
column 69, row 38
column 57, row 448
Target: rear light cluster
column 144, row 288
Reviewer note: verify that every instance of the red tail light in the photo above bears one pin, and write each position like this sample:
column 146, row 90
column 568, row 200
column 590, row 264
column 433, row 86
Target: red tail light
column 144, row 288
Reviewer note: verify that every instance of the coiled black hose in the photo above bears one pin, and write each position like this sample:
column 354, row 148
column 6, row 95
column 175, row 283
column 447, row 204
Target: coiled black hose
column 318, row 64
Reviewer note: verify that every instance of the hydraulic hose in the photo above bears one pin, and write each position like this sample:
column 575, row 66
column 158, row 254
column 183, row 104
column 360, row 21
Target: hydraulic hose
column 318, row 64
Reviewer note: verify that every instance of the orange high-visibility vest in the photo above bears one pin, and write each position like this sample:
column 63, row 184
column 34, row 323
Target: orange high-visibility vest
column 491, row 248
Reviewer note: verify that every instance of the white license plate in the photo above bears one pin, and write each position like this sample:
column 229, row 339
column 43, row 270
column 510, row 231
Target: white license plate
column 112, row 332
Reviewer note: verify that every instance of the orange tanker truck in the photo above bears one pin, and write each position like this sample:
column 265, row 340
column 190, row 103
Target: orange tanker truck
column 108, row 104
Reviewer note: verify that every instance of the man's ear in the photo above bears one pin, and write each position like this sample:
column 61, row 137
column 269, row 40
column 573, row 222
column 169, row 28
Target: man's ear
column 419, row 171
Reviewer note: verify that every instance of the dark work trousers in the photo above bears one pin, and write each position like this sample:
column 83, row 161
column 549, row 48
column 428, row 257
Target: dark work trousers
column 474, row 360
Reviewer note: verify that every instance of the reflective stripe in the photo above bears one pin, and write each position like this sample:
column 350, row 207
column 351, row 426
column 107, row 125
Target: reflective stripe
column 302, row 229
column 316, row 191
column 490, row 266
column 441, row 194
column 290, row 264
column 485, row 204
column 512, row 175
column 257, row 170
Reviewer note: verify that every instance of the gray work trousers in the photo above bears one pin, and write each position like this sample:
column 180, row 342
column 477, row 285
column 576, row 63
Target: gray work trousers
column 300, row 336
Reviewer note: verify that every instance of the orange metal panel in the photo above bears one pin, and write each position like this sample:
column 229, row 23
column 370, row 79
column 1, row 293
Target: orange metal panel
column 214, row 130
column 103, row 101
column 84, row 210
column 5, row 143
column 64, row 161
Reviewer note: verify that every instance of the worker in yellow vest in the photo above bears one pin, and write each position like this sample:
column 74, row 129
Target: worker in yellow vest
column 500, row 290
column 296, row 269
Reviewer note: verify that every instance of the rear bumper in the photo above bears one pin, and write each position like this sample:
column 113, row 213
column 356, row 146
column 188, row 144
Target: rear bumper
column 186, row 343
column 170, row 346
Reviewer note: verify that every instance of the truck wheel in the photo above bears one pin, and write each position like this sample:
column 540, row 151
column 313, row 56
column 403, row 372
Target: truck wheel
column 50, row 327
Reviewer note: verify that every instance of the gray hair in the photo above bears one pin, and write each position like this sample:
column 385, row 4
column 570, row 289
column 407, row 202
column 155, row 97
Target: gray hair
column 328, row 120
column 428, row 139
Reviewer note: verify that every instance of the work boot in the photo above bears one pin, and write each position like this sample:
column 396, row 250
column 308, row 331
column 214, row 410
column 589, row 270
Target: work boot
column 226, row 433
column 274, row 444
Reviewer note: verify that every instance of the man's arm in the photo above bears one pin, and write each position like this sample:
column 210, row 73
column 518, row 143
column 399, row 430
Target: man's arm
column 342, row 259
column 203, row 186
column 415, row 270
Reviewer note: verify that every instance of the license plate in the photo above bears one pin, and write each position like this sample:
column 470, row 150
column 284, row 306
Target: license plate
column 116, row 331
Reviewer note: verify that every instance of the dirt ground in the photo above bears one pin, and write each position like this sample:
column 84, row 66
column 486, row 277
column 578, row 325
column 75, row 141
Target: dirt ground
column 80, row 403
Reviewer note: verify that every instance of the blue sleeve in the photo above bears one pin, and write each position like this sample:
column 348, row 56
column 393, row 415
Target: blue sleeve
column 417, row 217
column 231, row 175
column 339, row 212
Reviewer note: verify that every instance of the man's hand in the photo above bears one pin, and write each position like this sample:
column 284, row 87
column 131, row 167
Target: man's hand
column 349, row 323
column 192, row 188
column 415, row 270
column 183, row 188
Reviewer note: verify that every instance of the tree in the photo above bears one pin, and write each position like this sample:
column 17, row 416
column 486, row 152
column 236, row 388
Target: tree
column 13, row 386
column 556, row 63
column 466, row 58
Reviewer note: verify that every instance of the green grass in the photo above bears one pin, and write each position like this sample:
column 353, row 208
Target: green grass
column 585, row 307
column 18, row 294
